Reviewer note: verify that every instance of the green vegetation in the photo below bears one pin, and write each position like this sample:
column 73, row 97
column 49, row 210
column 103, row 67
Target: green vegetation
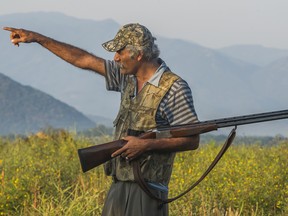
column 41, row 175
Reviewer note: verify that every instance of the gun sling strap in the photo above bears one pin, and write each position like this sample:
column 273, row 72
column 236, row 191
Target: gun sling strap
column 145, row 187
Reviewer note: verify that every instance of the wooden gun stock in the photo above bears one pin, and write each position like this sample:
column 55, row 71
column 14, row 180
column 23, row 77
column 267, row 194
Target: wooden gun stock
column 96, row 155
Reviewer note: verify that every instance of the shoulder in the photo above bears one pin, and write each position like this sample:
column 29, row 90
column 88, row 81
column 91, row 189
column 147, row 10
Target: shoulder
column 179, row 86
column 177, row 106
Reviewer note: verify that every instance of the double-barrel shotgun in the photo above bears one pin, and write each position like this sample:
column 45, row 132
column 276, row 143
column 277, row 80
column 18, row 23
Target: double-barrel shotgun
column 96, row 155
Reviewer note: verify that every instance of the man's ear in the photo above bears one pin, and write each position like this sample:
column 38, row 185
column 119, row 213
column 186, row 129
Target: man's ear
column 139, row 56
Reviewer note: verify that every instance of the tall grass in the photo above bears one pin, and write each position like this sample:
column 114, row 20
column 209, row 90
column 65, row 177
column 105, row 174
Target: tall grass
column 41, row 175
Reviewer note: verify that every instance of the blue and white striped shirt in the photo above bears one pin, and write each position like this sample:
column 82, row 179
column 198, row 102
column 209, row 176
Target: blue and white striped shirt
column 176, row 107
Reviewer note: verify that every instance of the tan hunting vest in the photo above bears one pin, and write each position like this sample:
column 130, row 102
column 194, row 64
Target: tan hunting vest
column 139, row 114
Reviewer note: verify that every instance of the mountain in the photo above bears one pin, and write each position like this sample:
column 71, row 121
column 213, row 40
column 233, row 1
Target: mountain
column 100, row 120
column 24, row 109
column 222, row 84
column 273, row 78
column 217, row 81
column 254, row 54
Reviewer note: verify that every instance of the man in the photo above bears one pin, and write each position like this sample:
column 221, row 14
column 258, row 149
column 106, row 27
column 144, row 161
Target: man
column 151, row 96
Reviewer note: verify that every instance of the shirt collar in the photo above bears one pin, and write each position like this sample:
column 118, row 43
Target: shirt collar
column 155, row 79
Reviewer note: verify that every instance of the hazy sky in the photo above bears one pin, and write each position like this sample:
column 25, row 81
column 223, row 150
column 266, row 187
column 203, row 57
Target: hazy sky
column 211, row 23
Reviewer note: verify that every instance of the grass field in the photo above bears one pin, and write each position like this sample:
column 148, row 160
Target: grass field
column 41, row 175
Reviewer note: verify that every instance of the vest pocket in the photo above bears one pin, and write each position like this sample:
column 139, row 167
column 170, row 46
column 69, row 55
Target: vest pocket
column 143, row 121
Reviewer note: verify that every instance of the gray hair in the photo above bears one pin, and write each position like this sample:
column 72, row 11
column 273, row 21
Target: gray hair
column 149, row 51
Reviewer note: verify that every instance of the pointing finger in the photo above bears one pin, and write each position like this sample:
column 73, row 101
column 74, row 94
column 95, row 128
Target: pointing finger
column 14, row 36
column 9, row 29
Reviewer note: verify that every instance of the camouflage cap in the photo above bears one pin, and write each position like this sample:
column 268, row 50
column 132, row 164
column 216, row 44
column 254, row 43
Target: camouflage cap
column 132, row 34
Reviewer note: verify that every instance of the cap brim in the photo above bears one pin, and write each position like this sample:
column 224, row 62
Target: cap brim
column 112, row 46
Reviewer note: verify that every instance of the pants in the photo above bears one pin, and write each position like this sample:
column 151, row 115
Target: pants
column 128, row 199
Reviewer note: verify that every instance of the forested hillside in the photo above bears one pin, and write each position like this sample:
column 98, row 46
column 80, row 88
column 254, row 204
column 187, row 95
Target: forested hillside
column 25, row 109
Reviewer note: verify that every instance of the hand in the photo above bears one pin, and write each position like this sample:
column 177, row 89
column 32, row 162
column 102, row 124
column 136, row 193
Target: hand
column 20, row 36
column 133, row 148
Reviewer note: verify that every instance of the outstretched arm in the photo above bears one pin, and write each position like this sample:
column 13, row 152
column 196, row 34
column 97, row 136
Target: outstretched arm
column 73, row 55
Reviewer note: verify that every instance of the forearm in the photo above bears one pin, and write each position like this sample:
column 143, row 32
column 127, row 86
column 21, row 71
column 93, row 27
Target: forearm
column 173, row 144
column 136, row 146
column 71, row 54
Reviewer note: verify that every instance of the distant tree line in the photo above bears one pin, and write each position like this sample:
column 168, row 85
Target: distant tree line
column 99, row 130
column 102, row 130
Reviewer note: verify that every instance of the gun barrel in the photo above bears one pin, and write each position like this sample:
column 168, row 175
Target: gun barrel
column 235, row 121
column 251, row 119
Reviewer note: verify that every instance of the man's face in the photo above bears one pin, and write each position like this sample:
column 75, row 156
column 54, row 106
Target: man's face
column 128, row 65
